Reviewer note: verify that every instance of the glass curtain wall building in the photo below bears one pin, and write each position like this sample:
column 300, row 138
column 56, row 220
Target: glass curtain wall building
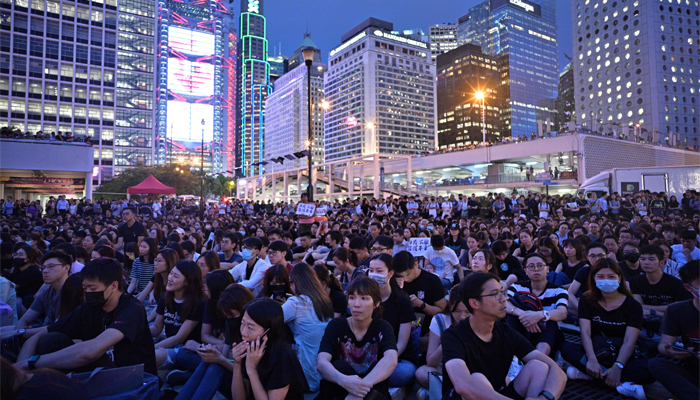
column 524, row 33
column 443, row 38
column 253, row 87
column 194, row 66
column 86, row 68
column 636, row 63
column 381, row 90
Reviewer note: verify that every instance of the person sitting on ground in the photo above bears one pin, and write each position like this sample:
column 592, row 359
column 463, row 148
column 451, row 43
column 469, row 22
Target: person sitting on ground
column 358, row 354
column 686, row 251
column 347, row 265
column 609, row 317
column 264, row 364
column 478, row 351
column 655, row 290
column 456, row 312
column 594, row 252
column 444, row 260
column 228, row 257
column 539, row 327
column 251, row 271
column 679, row 375
column 208, row 262
column 575, row 259
column 180, row 311
column 42, row 383
column 109, row 319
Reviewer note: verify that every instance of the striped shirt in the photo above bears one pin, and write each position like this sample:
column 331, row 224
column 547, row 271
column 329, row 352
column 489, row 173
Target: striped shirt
column 552, row 297
column 143, row 272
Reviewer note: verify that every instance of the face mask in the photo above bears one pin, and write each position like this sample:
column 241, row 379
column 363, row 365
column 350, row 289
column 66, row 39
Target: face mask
column 242, row 233
column 421, row 226
column 632, row 257
column 695, row 292
column 18, row 262
column 96, row 299
column 247, row 254
column 607, row 286
column 379, row 278
column 430, row 228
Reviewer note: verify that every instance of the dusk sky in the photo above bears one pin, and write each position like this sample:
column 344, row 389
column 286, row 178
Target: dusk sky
column 330, row 19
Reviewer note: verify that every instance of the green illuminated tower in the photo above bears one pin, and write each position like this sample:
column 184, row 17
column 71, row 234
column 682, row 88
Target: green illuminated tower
column 253, row 87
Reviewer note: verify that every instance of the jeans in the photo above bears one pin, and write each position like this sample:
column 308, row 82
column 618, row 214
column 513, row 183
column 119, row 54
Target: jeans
column 403, row 374
column 205, row 382
column 635, row 371
column 55, row 341
column 187, row 360
column 333, row 391
column 677, row 379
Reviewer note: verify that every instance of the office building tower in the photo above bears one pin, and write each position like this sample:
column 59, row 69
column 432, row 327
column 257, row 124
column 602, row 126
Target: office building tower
column 279, row 65
column 636, row 62
column 85, row 68
column 194, row 103
column 566, row 99
column 253, row 87
column 443, row 38
column 462, row 29
column 461, row 73
column 381, row 91
column 286, row 118
column 523, row 33
column 415, row 34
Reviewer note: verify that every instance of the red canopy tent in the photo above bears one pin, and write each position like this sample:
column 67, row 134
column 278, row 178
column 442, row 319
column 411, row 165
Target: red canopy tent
column 150, row 185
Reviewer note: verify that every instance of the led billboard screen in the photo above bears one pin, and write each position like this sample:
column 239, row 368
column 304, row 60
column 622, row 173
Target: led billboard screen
column 189, row 41
column 186, row 77
column 185, row 121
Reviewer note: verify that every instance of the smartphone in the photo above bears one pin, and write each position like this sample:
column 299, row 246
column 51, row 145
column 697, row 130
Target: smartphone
column 264, row 334
column 683, row 349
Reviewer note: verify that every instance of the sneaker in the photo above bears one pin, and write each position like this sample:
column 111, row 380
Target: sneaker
column 177, row 377
column 630, row 389
column 574, row 374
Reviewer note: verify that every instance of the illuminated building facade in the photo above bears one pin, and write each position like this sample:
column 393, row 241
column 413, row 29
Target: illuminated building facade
column 524, row 34
column 85, row 68
column 286, row 119
column 196, row 61
column 381, row 90
column 443, row 38
column 253, row 87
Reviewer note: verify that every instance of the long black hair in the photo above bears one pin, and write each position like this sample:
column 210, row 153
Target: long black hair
column 72, row 295
column 269, row 315
column 217, row 281
column 193, row 290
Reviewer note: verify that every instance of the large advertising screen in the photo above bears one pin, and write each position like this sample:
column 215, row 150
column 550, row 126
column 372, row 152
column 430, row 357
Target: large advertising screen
column 185, row 121
column 187, row 77
column 189, row 41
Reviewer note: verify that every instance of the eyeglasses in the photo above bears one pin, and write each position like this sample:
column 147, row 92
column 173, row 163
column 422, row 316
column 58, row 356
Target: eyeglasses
column 499, row 295
column 535, row 267
column 596, row 256
column 376, row 249
column 49, row 266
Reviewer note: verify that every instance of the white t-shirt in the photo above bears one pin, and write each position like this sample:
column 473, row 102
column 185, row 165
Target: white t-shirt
column 443, row 261
column 76, row 267
column 435, row 323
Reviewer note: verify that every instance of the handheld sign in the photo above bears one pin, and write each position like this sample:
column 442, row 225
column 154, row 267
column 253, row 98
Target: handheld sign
column 417, row 246
column 306, row 210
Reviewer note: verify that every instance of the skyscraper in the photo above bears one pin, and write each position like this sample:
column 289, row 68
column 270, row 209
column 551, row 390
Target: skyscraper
column 85, row 68
column 443, row 38
column 566, row 99
column 279, row 65
column 194, row 67
column 381, row 91
column 460, row 74
column 286, row 118
column 253, row 87
column 636, row 62
column 524, row 33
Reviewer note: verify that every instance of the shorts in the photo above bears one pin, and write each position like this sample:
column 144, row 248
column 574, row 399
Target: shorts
column 510, row 392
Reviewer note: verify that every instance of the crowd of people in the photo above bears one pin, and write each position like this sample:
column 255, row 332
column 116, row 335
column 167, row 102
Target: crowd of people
column 60, row 137
column 351, row 299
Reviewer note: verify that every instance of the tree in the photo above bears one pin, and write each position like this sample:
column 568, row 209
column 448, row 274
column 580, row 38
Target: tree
column 220, row 185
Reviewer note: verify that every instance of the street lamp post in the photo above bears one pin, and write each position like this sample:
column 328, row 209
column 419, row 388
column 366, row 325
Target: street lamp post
column 309, row 53
column 481, row 96
column 201, row 187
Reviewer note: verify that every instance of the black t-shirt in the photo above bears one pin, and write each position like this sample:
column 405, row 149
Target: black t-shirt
column 472, row 212
column 129, row 318
column 397, row 310
column 582, row 277
column 340, row 342
column 340, row 302
column 628, row 272
column 427, row 287
column 683, row 319
column 27, row 282
column 458, row 246
column 131, row 234
column 666, row 291
column 214, row 318
column 612, row 323
column 280, row 368
column 571, row 271
column 492, row 359
column 173, row 319
column 510, row 265
column 233, row 331
column 50, row 384
column 235, row 258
